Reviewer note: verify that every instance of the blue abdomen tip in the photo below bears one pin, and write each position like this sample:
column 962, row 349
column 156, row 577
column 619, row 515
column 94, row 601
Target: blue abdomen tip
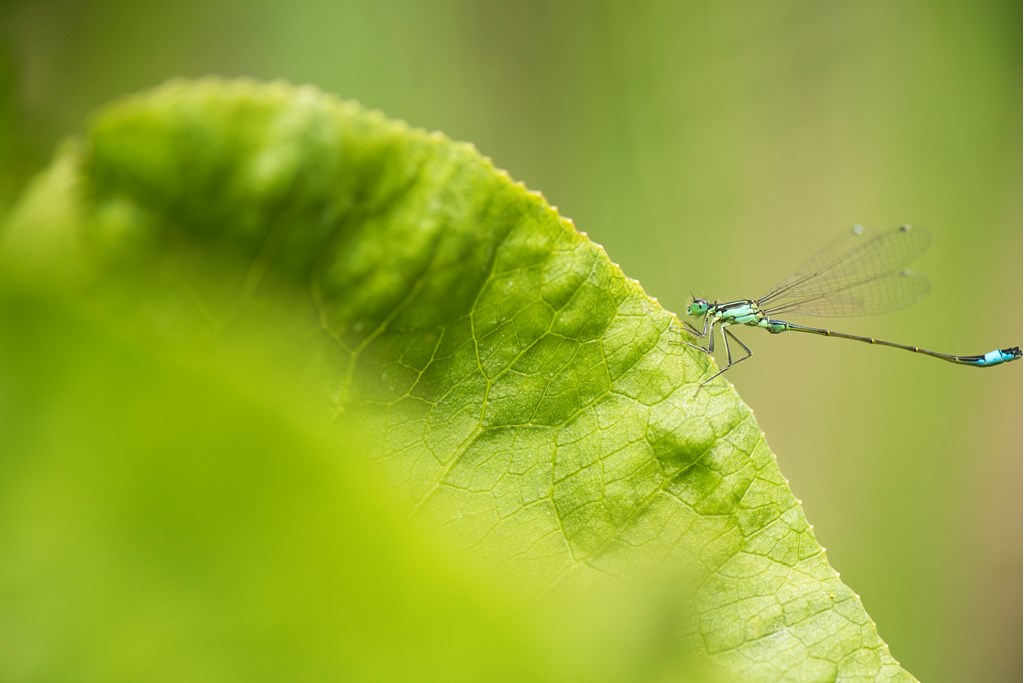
column 1000, row 356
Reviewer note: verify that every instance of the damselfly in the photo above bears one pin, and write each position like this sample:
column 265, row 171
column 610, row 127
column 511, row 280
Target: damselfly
column 855, row 275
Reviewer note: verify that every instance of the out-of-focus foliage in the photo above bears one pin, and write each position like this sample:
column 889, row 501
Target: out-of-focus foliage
column 168, row 522
column 221, row 271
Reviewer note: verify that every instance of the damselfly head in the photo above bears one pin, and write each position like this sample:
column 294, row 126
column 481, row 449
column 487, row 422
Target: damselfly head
column 698, row 307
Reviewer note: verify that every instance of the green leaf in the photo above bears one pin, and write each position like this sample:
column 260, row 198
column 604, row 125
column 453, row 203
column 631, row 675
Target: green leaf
column 163, row 522
column 520, row 396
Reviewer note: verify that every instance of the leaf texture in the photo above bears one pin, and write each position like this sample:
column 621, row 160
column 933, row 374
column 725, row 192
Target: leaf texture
column 521, row 396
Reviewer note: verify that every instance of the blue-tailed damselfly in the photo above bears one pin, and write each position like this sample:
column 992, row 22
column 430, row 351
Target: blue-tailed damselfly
column 855, row 275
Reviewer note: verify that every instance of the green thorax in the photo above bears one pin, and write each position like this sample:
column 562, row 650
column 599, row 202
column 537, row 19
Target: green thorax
column 745, row 312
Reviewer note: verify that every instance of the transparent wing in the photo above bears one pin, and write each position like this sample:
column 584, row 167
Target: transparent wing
column 881, row 295
column 858, row 274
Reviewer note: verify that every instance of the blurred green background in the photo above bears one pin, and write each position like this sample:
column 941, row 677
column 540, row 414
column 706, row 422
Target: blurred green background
column 711, row 147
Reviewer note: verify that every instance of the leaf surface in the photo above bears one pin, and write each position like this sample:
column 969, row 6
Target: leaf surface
column 523, row 397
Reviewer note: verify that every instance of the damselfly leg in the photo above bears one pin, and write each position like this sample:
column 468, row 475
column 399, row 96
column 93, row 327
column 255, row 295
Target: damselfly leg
column 700, row 334
column 726, row 334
